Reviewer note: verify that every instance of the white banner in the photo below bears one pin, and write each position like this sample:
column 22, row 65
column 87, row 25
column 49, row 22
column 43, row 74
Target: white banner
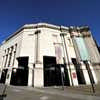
column 58, row 52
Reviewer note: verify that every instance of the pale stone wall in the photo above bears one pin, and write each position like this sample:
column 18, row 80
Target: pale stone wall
column 47, row 38
column 17, row 39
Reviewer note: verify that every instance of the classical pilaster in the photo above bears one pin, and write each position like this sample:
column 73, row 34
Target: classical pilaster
column 38, row 75
column 8, row 76
column 85, row 73
column 71, row 67
column 15, row 62
column 66, row 57
column 30, row 75
column 93, row 73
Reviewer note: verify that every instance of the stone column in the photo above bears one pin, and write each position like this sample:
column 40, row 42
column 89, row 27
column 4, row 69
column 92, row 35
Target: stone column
column 66, row 58
column 85, row 73
column 93, row 73
column 38, row 68
column 38, row 75
column 3, row 60
column 71, row 67
column 8, row 76
column 30, row 74
column 15, row 62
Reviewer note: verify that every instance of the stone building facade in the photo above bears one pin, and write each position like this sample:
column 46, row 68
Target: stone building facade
column 47, row 55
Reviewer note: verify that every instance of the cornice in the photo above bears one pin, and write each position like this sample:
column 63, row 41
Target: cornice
column 51, row 26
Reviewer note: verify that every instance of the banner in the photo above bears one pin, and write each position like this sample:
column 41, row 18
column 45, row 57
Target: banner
column 82, row 48
column 58, row 52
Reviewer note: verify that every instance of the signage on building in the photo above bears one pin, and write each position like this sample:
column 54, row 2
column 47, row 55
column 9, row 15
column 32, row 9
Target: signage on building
column 74, row 75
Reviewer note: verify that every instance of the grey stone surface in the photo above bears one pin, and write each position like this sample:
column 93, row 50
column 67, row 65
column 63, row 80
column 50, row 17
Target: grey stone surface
column 29, row 93
column 2, row 89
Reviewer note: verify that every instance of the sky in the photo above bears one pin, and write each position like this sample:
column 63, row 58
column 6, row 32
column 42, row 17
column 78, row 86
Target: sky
column 16, row 13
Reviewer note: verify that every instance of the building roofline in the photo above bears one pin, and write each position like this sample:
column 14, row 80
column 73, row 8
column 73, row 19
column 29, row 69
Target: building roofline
column 33, row 26
column 39, row 25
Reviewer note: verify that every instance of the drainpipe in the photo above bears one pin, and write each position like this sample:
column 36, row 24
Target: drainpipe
column 63, row 37
column 37, row 46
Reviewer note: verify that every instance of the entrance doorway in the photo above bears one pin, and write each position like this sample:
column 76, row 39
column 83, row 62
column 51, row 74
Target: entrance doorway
column 23, row 62
column 52, row 72
column 20, row 75
column 64, row 75
column 79, row 72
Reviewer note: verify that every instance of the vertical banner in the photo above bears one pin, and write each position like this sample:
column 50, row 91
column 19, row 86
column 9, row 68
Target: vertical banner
column 58, row 52
column 82, row 48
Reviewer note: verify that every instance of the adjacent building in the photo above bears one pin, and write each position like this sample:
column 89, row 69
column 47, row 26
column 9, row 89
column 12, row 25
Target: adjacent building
column 43, row 54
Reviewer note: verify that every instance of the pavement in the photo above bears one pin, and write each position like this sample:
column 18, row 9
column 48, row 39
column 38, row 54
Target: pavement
column 48, row 93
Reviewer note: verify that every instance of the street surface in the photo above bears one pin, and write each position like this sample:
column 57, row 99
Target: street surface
column 51, row 93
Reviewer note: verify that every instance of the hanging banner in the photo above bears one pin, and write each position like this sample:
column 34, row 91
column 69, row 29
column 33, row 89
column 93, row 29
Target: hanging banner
column 58, row 52
column 82, row 48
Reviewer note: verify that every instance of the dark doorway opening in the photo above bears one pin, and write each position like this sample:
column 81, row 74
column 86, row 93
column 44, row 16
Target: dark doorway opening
column 52, row 72
column 79, row 72
column 89, row 72
column 23, row 62
column 65, row 75
column 20, row 75
column 3, row 75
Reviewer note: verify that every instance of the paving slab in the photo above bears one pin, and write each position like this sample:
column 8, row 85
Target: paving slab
column 3, row 89
column 30, row 93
